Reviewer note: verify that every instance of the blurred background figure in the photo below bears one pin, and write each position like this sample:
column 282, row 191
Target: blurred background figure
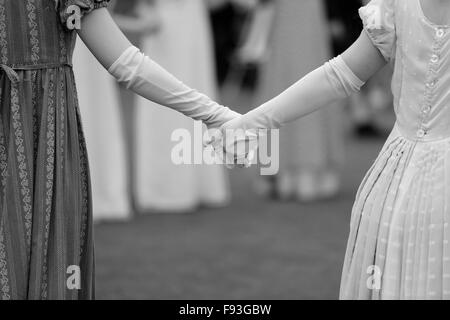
column 137, row 19
column 103, row 126
column 290, row 38
column 227, row 20
column 183, row 45
column 366, row 106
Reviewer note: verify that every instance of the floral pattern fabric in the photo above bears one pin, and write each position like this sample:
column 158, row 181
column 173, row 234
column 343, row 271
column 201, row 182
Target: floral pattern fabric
column 46, row 245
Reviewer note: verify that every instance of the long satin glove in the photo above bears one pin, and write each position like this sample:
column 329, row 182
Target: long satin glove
column 334, row 80
column 145, row 77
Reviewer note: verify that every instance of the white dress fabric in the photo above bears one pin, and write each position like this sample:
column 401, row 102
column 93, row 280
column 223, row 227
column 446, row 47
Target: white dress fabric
column 399, row 238
column 99, row 105
column 315, row 143
column 182, row 46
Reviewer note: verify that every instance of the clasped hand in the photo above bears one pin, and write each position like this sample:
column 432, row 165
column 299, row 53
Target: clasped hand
column 233, row 145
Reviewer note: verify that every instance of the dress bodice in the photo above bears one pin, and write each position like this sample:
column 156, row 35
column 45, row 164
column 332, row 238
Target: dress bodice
column 37, row 33
column 420, row 53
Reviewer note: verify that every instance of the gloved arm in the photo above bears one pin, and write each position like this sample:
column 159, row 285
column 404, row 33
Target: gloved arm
column 336, row 79
column 144, row 76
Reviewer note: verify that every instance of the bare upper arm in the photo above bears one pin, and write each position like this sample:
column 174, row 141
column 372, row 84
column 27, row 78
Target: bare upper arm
column 103, row 37
column 363, row 58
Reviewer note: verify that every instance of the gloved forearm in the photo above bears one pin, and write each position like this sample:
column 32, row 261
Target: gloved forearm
column 334, row 80
column 146, row 78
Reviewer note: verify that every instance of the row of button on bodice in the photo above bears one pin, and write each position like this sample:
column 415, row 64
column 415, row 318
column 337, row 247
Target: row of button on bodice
column 431, row 83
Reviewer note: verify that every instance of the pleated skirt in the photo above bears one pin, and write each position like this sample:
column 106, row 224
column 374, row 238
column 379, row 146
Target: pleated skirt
column 46, row 241
column 398, row 246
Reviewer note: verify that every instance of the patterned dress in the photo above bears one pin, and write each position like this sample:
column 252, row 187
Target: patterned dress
column 46, row 241
column 399, row 239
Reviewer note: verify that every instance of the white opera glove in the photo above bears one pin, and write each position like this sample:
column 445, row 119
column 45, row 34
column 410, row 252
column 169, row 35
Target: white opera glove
column 333, row 81
column 145, row 77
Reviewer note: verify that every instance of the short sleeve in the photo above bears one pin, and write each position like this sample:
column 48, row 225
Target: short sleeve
column 378, row 17
column 72, row 10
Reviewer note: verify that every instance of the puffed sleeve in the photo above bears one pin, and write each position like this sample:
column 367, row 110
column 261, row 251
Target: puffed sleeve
column 71, row 11
column 378, row 17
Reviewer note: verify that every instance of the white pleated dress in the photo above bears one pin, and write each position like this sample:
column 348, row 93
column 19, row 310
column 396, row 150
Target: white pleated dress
column 398, row 246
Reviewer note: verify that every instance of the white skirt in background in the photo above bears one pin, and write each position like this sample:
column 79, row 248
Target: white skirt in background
column 99, row 105
column 183, row 46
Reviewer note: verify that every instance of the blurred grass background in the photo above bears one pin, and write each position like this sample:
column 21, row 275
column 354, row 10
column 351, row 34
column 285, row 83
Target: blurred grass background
column 254, row 249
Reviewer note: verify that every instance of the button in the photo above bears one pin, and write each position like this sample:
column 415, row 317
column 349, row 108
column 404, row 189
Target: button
column 434, row 58
column 440, row 33
column 426, row 109
column 431, row 84
column 421, row 133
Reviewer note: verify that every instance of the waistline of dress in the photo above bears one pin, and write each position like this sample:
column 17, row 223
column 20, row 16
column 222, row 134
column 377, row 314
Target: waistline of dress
column 398, row 131
column 11, row 70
